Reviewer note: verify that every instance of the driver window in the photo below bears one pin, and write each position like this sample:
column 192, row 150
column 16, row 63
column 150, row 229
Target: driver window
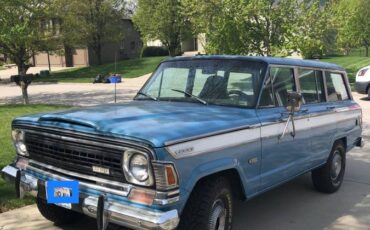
column 276, row 88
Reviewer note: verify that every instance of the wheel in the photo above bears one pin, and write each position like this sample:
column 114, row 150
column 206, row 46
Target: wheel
column 56, row 214
column 209, row 207
column 368, row 93
column 329, row 177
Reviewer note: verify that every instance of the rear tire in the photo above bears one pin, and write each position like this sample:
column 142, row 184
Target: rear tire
column 209, row 207
column 56, row 214
column 329, row 177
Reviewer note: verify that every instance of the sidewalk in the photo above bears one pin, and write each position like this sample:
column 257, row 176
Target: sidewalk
column 6, row 73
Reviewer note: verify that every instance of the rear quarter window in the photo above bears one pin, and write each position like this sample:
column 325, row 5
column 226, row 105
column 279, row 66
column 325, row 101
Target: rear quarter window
column 336, row 87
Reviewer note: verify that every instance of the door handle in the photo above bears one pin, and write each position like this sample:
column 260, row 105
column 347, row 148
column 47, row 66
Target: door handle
column 331, row 107
column 304, row 110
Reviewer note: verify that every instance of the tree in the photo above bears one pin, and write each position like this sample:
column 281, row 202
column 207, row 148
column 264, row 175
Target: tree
column 163, row 20
column 89, row 22
column 21, row 34
column 242, row 27
column 353, row 23
column 312, row 29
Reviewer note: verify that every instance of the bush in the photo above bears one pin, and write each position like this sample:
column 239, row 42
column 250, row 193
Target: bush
column 152, row 51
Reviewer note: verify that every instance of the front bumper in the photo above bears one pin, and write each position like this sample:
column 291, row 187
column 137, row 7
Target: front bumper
column 361, row 87
column 114, row 212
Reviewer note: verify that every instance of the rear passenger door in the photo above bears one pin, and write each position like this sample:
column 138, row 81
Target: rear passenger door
column 344, row 111
column 312, row 87
column 286, row 157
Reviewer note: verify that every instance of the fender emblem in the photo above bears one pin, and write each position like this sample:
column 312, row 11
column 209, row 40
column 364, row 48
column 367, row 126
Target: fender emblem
column 253, row 160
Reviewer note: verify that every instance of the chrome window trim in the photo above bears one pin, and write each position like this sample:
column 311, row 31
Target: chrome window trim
column 295, row 67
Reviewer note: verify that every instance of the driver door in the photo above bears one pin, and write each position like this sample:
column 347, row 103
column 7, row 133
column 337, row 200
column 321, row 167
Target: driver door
column 282, row 157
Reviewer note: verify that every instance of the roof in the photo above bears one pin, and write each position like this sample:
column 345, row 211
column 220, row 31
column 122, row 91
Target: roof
column 268, row 60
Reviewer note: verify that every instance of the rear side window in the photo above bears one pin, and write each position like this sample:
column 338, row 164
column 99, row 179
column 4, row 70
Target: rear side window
column 277, row 86
column 312, row 86
column 336, row 86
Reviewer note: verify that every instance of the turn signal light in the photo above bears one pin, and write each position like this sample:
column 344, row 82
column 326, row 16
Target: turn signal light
column 171, row 175
column 142, row 196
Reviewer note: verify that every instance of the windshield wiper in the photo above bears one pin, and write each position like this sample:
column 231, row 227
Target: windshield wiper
column 191, row 95
column 148, row 96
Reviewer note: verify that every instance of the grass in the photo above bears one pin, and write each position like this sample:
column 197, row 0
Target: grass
column 8, row 200
column 351, row 63
column 128, row 69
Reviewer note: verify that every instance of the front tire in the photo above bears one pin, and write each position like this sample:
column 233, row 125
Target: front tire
column 209, row 207
column 329, row 177
column 56, row 214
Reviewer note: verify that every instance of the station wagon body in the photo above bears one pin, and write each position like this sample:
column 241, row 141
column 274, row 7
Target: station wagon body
column 202, row 131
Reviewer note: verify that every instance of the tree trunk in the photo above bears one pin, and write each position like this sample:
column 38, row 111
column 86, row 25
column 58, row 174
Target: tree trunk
column 23, row 81
column 172, row 51
column 48, row 53
column 24, row 87
column 367, row 51
column 97, row 52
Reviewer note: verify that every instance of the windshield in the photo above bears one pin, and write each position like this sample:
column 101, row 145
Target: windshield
column 219, row 82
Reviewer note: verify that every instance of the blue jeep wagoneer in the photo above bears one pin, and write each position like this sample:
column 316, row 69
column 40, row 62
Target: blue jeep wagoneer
column 202, row 132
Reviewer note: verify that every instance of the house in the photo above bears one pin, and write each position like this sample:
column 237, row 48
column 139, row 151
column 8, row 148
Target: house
column 191, row 45
column 129, row 47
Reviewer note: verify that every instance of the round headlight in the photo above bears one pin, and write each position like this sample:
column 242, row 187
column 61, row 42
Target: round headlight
column 138, row 167
column 18, row 140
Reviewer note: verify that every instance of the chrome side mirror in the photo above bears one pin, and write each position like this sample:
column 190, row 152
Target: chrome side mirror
column 294, row 102
column 294, row 105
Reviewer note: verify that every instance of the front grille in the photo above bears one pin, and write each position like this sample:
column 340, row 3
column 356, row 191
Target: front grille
column 74, row 156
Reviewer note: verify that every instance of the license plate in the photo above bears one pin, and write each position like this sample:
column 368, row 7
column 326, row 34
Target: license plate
column 63, row 192
column 60, row 192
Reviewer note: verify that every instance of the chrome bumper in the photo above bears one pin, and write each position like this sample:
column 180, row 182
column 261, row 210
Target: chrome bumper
column 118, row 213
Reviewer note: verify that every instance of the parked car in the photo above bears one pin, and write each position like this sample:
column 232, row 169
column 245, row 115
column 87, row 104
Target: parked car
column 202, row 132
column 363, row 81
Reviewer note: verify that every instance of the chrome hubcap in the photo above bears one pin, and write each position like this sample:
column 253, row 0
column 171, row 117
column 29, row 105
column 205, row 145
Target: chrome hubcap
column 218, row 216
column 336, row 166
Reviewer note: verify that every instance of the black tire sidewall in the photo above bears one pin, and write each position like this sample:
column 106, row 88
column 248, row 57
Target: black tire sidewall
column 225, row 196
column 198, row 209
column 338, row 181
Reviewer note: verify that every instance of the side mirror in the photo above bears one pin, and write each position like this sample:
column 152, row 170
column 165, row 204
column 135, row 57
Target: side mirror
column 294, row 102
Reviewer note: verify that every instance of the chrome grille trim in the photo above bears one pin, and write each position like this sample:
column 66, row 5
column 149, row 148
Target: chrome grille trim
column 98, row 180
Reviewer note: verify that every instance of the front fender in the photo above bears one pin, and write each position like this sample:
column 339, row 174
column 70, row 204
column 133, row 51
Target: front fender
column 213, row 167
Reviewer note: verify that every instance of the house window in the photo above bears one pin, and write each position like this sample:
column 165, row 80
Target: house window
column 122, row 45
column 132, row 45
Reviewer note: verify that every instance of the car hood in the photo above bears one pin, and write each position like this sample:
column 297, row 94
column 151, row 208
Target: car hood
column 156, row 123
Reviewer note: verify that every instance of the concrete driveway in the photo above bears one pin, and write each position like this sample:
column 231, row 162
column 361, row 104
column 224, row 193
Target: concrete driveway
column 77, row 94
column 295, row 205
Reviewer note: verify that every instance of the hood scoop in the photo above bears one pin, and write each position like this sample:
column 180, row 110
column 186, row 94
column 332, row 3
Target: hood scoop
column 67, row 120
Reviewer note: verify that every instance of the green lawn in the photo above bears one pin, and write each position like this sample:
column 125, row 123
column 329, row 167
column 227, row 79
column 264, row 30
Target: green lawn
column 351, row 63
column 7, row 152
column 128, row 69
